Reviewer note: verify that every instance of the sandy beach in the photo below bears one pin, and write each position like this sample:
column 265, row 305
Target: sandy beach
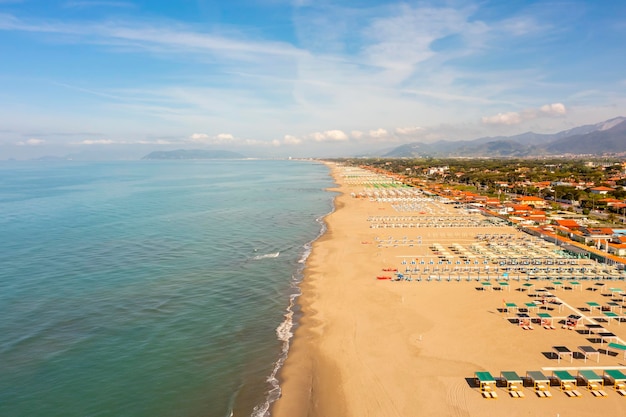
column 378, row 347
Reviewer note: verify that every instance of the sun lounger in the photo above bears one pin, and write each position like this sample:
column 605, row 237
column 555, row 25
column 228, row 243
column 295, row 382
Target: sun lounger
column 515, row 392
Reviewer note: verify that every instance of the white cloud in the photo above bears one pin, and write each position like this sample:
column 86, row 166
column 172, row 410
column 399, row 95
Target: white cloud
column 291, row 140
column 199, row 137
column 225, row 137
column 379, row 133
column 404, row 131
column 329, row 136
column 31, row 142
column 514, row 118
column 556, row 109
column 203, row 138
column 97, row 142
column 356, row 134
column 511, row 118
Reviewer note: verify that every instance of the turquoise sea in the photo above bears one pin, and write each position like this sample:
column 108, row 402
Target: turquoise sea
column 151, row 288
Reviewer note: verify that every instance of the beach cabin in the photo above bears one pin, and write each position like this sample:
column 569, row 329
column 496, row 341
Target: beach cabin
column 514, row 383
column 617, row 378
column 541, row 383
column 567, row 383
column 593, row 381
column 487, row 384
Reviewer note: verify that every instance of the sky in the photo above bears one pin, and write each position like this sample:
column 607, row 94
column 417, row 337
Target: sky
column 301, row 78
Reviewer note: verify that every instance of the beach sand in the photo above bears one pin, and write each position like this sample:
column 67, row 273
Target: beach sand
column 369, row 347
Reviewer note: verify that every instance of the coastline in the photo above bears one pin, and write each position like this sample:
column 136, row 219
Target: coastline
column 304, row 373
column 368, row 347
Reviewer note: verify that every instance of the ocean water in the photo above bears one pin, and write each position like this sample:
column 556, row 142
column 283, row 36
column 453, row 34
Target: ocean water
column 151, row 288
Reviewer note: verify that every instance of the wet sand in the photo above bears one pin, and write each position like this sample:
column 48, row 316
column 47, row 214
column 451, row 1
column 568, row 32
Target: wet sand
column 370, row 347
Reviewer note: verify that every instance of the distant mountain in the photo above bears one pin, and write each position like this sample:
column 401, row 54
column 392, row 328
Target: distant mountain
column 193, row 154
column 600, row 138
column 610, row 139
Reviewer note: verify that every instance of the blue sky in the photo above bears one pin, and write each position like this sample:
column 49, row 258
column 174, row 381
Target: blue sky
column 299, row 77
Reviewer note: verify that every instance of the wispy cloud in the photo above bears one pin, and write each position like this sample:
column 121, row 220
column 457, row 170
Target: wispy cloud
column 173, row 38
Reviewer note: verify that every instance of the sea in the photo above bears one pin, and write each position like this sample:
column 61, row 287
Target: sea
column 152, row 288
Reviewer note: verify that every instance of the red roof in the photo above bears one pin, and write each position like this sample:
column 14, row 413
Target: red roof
column 602, row 189
column 520, row 207
column 568, row 223
column 601, row 231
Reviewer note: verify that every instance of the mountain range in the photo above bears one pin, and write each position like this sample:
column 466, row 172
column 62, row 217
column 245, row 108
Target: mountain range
column 608, row 137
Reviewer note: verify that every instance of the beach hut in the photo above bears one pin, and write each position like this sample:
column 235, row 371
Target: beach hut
column 567, row 382
column 541, row 383
column 617, row 378
column 593, row 381
column 514, row 383
column 487, row 384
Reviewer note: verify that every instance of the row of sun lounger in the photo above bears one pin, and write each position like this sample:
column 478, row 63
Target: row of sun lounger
column 541, row 383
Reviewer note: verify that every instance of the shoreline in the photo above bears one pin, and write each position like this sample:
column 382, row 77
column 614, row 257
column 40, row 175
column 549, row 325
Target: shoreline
column 368, row 347
column 304, row 369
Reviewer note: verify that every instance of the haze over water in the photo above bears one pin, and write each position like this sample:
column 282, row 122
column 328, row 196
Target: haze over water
column 150, row 288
